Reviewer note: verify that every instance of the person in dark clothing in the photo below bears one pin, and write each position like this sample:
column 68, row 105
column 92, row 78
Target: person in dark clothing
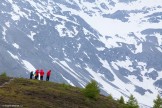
column 41, row 74
column 36, row 74
column 48, row 75
column 31, row 75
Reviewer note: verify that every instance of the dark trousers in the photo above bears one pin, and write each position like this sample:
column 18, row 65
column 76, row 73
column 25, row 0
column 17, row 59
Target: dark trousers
column 47, row 78
column 36, row 77
column 41, row 77
column 31, row 76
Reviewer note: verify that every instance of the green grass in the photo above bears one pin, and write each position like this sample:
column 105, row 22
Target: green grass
column 41, row 94
column 3, row 79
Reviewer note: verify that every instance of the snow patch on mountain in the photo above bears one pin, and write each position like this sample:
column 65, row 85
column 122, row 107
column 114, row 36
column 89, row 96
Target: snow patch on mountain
column 13, row 56
column 138, row 49
column 16, row 45
column 28, row 66
column 7, row 24
column 68, row 81
column 63, row 31
column 31, row 35
column 4, row 34
column 127, row 64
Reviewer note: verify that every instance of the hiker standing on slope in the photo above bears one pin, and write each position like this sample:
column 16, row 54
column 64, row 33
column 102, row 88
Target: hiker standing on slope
column 48, row 75
column 31, row 75
column 36, row 74
column 41, row 74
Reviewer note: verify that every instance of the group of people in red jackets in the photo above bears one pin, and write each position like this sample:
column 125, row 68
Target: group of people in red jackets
column 41, row 74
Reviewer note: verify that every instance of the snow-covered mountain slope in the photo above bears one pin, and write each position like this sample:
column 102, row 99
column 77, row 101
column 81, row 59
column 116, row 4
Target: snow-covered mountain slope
column 116, row 42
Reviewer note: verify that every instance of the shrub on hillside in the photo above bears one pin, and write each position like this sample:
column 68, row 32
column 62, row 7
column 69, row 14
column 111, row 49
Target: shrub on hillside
column 132, row 102
column 92, row 90
column 3, row 74
column 158, row 102
column 121, row 100
column 109, row 97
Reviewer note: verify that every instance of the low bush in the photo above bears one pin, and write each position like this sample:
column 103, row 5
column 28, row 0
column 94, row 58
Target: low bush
column 92, row 90
column 3, row 74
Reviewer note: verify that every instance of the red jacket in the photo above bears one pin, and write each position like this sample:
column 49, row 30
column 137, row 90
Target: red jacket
column 37, row 72
column 49, row 73
column 41, row 72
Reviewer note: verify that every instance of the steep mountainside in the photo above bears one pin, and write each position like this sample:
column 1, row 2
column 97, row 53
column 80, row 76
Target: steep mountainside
column 116, row 42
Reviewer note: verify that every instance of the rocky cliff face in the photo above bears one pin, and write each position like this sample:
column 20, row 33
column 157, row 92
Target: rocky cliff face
column 116, row 42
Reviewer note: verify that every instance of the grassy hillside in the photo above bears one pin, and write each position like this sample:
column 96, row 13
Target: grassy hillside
column 28, row 93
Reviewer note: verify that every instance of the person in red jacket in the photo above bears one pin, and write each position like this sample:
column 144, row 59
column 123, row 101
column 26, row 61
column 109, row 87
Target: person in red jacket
column 41, row 74
column 48, row 75
column 36, row 74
